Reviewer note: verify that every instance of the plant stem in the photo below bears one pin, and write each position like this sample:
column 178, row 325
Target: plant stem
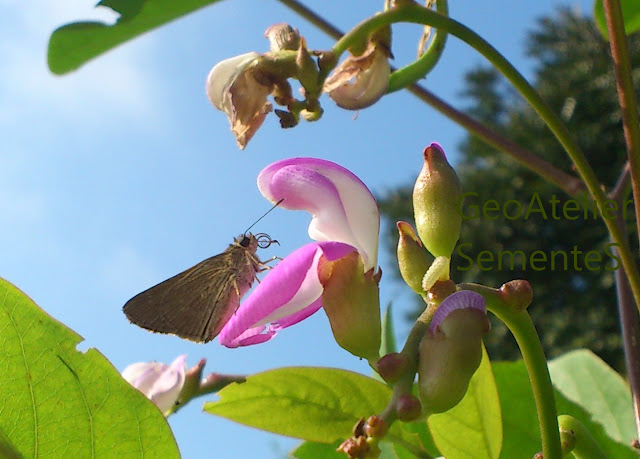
column 626, row 94
column 409, row 74
column 414, row 13
column 520, row 324
column 570, row 184
column 630, row 333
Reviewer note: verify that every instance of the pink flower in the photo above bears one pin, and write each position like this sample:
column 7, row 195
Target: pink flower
column 161, row 383
column 345, row 220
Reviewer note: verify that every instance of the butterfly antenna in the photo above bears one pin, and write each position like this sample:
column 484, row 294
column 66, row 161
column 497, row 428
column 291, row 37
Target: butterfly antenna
column 264, row 215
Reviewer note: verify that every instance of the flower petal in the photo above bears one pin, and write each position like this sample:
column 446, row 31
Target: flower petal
column 460, row 300
column 159, row 382
column 168, row 386
column 342, row 207
column 233, row 88
column 223, row 74
column 360, row 81
column 288, row 294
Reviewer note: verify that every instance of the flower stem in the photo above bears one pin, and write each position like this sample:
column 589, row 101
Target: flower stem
column 411, row 73
column 626, row 93
column 520, row 324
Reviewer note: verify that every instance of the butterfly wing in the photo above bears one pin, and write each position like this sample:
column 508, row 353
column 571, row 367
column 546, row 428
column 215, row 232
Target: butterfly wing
column 198, row 302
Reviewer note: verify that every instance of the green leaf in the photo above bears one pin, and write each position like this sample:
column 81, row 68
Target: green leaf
column 7, row 450
column 473, row 428
column 312, row 450
column 316, row 404
column 587, row 380
column 74, row 44
column 57, row 401
column 422, row 431
column 630, row 15
column 520, row 420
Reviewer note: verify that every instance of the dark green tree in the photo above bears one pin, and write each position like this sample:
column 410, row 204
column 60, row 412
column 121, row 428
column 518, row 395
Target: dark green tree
column 574, row 305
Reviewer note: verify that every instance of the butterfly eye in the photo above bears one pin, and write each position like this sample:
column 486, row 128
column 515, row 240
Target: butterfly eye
column 245, row 241
column 264, row 240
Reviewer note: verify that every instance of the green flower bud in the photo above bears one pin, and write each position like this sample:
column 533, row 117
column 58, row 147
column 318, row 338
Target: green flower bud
column 451, row 351
column 436, row 197
column 413, row 259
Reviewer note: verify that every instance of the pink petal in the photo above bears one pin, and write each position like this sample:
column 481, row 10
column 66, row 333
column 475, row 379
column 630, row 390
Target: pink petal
column 288, row 294
column 342, row 207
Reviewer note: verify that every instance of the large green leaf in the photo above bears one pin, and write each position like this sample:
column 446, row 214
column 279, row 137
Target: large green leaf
column 520, row 420
column 74, row 44
column 58, row 402
column 316, row 404
column 587, row 380
column 630, row 14
column 473, row 428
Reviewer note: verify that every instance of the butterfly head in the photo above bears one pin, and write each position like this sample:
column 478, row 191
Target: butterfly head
column 252, row 242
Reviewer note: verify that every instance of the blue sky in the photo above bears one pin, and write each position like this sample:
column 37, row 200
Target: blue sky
column 121, row 175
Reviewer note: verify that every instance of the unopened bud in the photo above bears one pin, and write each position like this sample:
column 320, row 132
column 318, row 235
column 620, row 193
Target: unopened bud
column 518, row 294
column 282, row 37
column 392, row 366
column 436, row 197
column 413, row 259
column 375, row 427
column 408, row 408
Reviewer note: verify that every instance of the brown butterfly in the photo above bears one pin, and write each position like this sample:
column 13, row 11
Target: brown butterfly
column 198, row 302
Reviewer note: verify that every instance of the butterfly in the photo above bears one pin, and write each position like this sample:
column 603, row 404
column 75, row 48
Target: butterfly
column 198, row 302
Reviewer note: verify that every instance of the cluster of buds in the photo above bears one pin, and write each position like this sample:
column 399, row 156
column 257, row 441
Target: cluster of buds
column 451, row 349
column 240, row 86
column 366, row 435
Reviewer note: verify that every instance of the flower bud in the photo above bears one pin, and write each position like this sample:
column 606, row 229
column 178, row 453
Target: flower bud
column 408, row 408
column 282, row 37
column 451, row 351
column 413, row 259
column 518, row 294
column 436, row 197
column 375, row 427
column 352, row 304
column 392, row 366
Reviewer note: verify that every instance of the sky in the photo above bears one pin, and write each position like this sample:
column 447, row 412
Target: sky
column 121, row 174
